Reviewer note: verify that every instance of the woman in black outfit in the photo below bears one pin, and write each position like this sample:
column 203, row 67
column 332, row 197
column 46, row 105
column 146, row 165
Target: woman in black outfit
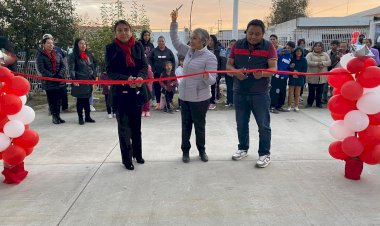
column 82, row 67
column 125, row 60
column 50, row 64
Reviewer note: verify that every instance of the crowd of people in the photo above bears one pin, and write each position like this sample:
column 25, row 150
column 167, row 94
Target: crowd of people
column 259, row 93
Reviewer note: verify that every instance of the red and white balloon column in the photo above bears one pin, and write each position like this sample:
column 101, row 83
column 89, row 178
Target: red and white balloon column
column 17, row 140
column 355, row 107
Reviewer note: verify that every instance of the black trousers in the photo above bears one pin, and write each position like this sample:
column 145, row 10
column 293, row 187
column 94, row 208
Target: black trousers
column 54, row 98
column 110, row 108
column 278, row 92
column 315, row 93
column 128, row 115
column 194, row 113
column 65, row 100
column 83, row 104
column 168, row 97
column 230, row 92
column 215, row 90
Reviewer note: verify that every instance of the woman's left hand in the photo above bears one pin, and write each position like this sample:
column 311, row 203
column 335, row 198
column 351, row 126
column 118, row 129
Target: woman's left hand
column 205, row 76
column 139, row 84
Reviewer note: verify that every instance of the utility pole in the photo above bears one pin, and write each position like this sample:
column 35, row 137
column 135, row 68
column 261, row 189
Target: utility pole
column 191, row 10
column 235, row 20
column 219, row 24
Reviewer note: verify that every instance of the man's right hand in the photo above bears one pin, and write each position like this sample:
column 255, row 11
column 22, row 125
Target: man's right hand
column 240, row 74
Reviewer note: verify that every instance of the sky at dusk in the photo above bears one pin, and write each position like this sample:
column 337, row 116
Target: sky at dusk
column 206, row 13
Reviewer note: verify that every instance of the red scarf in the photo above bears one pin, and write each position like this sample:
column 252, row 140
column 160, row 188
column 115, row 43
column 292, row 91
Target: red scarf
column 83, row 55
column 53, row 60
column 127, row 50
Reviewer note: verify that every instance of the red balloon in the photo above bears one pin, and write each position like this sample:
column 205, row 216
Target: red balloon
column 1, row 155
column 335, row 92
column 17, row 85
column 341, row 106
column 374, row 119
column 337, row 80
column 351, row 90
column 337, row 116
column 355, row 65
column 352, row 147
column 370, row 62
column 5, row 74
column 376, row 153
column 28, row 139
column 28, row 151
column 368, row 157
column 336, row 151
column 370, row 136
column 370, row 78
column 14, row 155
column 10, row 104
column 3, row 120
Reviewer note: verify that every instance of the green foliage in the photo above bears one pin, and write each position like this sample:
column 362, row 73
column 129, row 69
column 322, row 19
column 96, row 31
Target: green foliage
column 102, row 34
column 26, row 21
column 284, row 10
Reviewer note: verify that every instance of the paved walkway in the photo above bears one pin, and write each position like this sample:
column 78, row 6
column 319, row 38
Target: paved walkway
column 76, row 177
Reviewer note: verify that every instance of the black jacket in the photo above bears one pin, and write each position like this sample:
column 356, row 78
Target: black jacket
column 117, row 69
column 44, row 66
column 158, row 58
column 82, row 70
column 148, row 47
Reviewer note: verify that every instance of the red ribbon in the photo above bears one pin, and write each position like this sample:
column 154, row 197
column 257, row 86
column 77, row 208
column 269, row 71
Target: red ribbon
column 120, row 82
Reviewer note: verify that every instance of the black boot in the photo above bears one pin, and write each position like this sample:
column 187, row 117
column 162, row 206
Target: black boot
column 203, row 156
column 61, row 120
column 185, row 157
column 81, row 121
column 55, row 119
column 88, row 118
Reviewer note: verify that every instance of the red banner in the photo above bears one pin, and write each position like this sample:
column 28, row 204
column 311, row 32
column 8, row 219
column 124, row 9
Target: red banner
column 120, row 82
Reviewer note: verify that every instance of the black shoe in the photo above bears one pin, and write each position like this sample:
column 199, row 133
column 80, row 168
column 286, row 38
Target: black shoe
column 81, row 122
column 274, row 111
column 185, row 157
column 308, row 106
column 89, row 119
column 129, row 166
column 203, row 157
column 140, row 160
column 61, row 120
column 55, row 120
column 319, row 106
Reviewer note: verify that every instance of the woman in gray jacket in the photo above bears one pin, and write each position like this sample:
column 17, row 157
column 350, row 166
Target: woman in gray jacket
column 195, row 91
column 82, row 67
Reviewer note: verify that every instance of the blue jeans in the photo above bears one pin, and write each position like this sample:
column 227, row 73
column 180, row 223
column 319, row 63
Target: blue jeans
column 259, row 105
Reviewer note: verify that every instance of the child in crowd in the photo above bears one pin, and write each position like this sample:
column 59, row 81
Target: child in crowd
column 179, row 72
column 146, row 106
column 107, row 96
column 167, row 87
column 298, row 64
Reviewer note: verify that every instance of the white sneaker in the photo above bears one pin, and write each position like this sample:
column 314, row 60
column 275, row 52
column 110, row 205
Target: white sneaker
column 110, row 116
column 239, row 154
column 263, row 161
column 296, row 109
column 289, row 108
column 92, row 108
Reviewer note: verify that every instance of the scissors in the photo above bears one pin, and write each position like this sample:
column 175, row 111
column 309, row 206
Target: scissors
column 179, row 7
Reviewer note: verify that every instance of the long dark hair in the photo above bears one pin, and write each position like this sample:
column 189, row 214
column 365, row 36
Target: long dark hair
column 76, row 48
column 215, row 40
column 142, row 36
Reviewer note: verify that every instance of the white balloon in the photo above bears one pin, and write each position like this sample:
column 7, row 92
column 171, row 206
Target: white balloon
column 369, row 103
column 23, row 99
column 339, row 131
column 14, row 129
column 356, row 120
column 374, row 90
column 26, row 115
column 5, row 141
column 344, row 60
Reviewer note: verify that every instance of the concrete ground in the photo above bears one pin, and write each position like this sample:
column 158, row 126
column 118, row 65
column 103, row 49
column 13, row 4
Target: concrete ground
column 76, row 177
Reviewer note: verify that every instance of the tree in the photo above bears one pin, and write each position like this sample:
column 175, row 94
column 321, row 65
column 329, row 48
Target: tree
column 26, row 21
column 284, row 10
column 99, row 36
